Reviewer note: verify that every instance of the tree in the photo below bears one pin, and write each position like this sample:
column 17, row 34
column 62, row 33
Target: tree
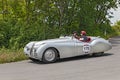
column 116, row 27
column 22, row 21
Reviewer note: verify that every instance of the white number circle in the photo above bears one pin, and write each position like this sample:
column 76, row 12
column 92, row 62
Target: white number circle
column 86, row 48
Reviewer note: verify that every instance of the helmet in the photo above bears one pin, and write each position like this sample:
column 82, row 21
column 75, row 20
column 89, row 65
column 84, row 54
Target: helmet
column 83, row 32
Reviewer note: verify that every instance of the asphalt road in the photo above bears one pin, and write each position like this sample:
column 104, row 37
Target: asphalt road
column 106, row 67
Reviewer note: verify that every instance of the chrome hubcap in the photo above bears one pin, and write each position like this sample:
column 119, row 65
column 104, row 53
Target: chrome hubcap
column 49, row 55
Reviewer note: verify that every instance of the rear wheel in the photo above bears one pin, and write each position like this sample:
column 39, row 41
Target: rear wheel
column 50, row 55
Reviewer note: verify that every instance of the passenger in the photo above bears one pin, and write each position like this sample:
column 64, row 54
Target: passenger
column 83, row 36
column 75, row 35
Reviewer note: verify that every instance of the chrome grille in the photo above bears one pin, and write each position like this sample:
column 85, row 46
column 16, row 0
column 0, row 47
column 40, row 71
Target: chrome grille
column 33, row 52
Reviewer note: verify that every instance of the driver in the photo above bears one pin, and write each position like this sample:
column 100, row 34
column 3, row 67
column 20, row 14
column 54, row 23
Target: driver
column 75, row 35
column 83, row 36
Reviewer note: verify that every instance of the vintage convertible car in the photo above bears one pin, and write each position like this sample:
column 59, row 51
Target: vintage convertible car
column 63, row 47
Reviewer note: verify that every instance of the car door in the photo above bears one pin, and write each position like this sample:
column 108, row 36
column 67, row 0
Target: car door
column 81, row 48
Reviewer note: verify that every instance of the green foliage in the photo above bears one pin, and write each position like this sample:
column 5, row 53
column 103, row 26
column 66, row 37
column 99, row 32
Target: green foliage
column 116, row 27
column 22, row 21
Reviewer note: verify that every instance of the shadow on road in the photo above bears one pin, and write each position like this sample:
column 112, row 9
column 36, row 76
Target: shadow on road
column 83, row 57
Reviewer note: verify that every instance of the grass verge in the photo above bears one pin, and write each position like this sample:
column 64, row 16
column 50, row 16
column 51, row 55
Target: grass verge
column 7, row 55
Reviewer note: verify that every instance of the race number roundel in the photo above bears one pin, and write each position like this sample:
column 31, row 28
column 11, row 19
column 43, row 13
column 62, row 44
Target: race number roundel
column 86, row 48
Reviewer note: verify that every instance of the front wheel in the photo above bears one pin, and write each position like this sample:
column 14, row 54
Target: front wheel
column 50, row 55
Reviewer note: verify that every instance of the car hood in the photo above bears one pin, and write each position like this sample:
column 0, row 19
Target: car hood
column 53, row 40
column 37, row 43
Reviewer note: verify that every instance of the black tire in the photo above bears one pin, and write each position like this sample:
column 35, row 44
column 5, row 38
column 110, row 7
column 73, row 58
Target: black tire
column 50, row 55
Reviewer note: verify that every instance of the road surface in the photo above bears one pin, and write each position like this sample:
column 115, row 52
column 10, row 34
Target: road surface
column 106, row 67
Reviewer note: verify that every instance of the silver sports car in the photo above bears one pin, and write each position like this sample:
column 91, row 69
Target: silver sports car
column 63, row 47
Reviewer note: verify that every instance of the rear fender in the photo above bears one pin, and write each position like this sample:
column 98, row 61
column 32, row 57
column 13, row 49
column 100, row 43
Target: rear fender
column 100, row 45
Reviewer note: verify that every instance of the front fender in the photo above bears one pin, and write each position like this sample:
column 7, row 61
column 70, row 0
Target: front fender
column 41, row 50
